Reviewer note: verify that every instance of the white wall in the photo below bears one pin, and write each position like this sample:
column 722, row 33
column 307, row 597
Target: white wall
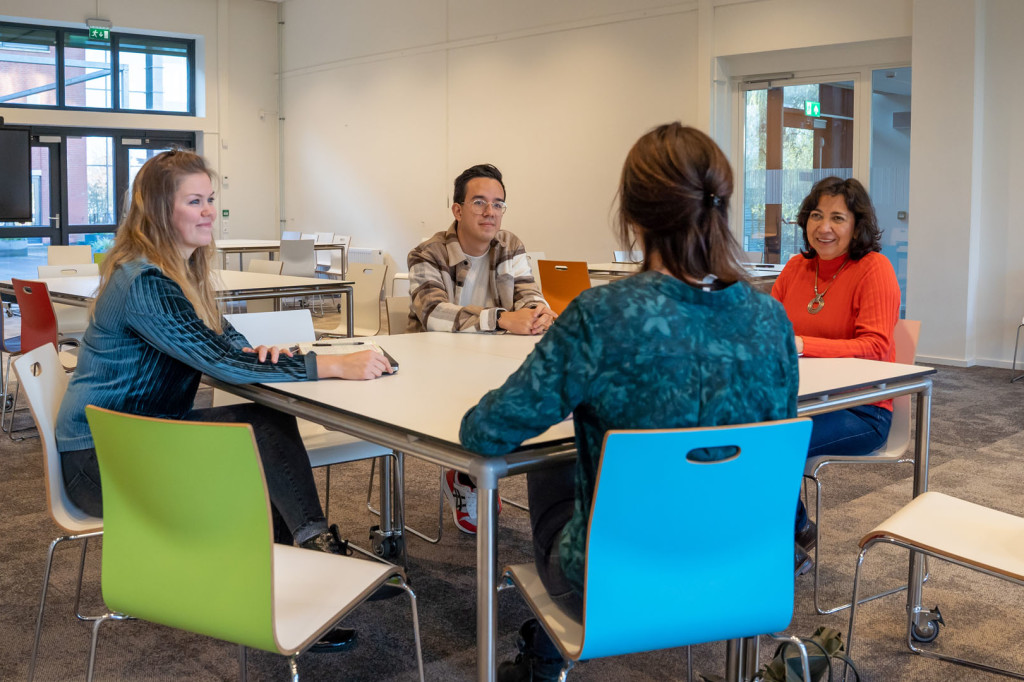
column 237, row 55
column 1001, row 268
column 384, row 107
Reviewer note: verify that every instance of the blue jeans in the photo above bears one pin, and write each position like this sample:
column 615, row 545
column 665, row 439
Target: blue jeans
column 295, row 504
column 856, row 431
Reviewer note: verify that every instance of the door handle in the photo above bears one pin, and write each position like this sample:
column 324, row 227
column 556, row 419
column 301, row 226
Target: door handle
column 55, row 219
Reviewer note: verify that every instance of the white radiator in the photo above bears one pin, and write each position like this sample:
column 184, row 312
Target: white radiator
column 363, row 255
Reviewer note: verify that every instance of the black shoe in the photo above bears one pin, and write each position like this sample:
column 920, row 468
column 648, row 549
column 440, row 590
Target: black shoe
column 807, row 537
column 802, row 561
column 329, row 541
column 538, row 659
column 333, row 641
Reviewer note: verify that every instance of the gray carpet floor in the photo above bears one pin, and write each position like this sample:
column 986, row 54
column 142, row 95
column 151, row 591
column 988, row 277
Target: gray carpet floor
column 976, row 445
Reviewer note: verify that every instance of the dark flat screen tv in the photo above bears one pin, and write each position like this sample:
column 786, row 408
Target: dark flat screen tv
column 15, row 174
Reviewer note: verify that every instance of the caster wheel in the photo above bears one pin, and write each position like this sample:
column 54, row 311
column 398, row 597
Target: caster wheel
column 386, row 547
column 925, row 633
column 9, row 401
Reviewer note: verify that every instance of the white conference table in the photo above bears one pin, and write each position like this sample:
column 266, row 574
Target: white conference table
column 268, row 246
column 233, row 285
column 761, row 276
column 391, row 412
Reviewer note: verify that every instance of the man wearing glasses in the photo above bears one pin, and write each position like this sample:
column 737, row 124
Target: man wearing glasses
column 474, row 277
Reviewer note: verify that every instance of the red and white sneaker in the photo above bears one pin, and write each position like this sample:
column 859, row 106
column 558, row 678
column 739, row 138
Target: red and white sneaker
column 461, row 495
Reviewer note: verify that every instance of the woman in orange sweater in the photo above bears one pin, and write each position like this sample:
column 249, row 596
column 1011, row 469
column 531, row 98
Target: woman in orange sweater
column 843, row 300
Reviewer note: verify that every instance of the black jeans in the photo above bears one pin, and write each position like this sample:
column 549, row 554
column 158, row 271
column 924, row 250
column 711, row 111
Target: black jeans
column 552, row 495
column 297, row 513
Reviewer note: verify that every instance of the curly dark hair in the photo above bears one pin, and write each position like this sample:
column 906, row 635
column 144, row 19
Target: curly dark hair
column 866, row 235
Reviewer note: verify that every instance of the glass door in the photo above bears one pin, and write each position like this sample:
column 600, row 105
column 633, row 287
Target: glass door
column 23, row 245
column 794, row 135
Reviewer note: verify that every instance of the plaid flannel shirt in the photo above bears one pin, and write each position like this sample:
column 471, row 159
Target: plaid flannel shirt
column 437, row 274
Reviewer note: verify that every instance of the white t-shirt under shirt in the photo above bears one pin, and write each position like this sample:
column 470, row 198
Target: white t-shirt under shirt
column 477, row 288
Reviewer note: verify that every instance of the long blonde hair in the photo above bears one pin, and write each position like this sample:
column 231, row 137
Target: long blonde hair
column 146, row 231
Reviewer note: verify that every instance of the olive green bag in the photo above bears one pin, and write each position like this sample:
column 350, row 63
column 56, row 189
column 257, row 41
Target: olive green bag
column 823, row 647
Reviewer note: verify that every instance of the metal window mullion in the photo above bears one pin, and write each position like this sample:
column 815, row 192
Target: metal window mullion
column 61, row 99
column 115, row 72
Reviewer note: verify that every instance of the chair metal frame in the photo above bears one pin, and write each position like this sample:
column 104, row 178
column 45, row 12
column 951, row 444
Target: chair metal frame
column 619, row 616
column 45, row 382
column 1013, row 366
column 926, row 509
column 893, row 451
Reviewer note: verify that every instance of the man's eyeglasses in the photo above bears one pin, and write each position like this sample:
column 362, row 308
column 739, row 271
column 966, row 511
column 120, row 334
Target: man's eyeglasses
column 477, row 206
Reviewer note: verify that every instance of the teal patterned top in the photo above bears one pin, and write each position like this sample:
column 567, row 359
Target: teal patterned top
column 645, row 352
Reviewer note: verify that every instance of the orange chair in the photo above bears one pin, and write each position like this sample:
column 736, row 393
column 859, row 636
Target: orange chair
column 561, row 281
column 38, row 328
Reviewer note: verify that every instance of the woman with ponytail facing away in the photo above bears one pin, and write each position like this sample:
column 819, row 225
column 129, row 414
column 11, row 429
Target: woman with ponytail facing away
column 684, row 343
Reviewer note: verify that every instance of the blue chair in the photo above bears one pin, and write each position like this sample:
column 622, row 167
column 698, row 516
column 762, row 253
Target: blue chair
column 724, row 568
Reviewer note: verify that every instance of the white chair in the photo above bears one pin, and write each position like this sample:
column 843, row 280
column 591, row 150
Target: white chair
column 298, row 259
column 398, row 313
column 367, row 290
column 638, row 599
column 68, row 255
column 960, row 532
column 44, row 381
column 266, row 267
column 324, row 447
column 323, row 258
column 71, row 319
column 290, row 234
column 628, row 256
column 338, row 258
column 894, row 451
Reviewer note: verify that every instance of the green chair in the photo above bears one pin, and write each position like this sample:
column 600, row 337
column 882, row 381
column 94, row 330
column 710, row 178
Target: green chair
column 187, row 542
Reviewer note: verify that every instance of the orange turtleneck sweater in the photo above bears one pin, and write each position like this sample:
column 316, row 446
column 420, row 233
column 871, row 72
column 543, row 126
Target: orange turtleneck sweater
column 861, row 307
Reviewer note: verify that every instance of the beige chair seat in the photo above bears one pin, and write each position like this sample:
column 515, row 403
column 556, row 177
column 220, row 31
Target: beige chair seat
column 953, row 530
column 958, row 530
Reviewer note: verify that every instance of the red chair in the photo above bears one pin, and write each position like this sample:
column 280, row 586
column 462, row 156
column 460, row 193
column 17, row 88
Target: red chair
column 12, row 347
column 38, row 328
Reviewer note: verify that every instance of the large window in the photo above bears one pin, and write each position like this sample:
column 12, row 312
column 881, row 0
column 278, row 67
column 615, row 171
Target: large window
column 64, row 68
column 798, row 130
column 794, row 136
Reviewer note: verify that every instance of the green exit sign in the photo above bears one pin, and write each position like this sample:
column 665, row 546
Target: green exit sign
column 99, row 33
column 812, row 108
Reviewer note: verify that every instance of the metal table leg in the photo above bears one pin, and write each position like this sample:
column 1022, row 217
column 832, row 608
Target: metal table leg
column 486, row 571
column 918, row 616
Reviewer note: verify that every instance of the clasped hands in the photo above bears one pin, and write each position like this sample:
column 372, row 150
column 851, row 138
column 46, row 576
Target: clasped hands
column 527, row 321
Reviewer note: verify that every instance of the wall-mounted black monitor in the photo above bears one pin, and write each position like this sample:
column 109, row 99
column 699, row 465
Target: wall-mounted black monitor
column 15, row 174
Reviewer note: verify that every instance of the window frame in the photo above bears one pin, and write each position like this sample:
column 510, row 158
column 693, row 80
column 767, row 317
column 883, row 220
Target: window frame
column 115, row 85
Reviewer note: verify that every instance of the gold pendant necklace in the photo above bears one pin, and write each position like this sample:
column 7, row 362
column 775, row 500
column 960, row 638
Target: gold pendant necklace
column 818, row 302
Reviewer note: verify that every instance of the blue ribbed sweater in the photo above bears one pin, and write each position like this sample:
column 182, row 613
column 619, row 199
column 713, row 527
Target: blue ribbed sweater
column 145, row 350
